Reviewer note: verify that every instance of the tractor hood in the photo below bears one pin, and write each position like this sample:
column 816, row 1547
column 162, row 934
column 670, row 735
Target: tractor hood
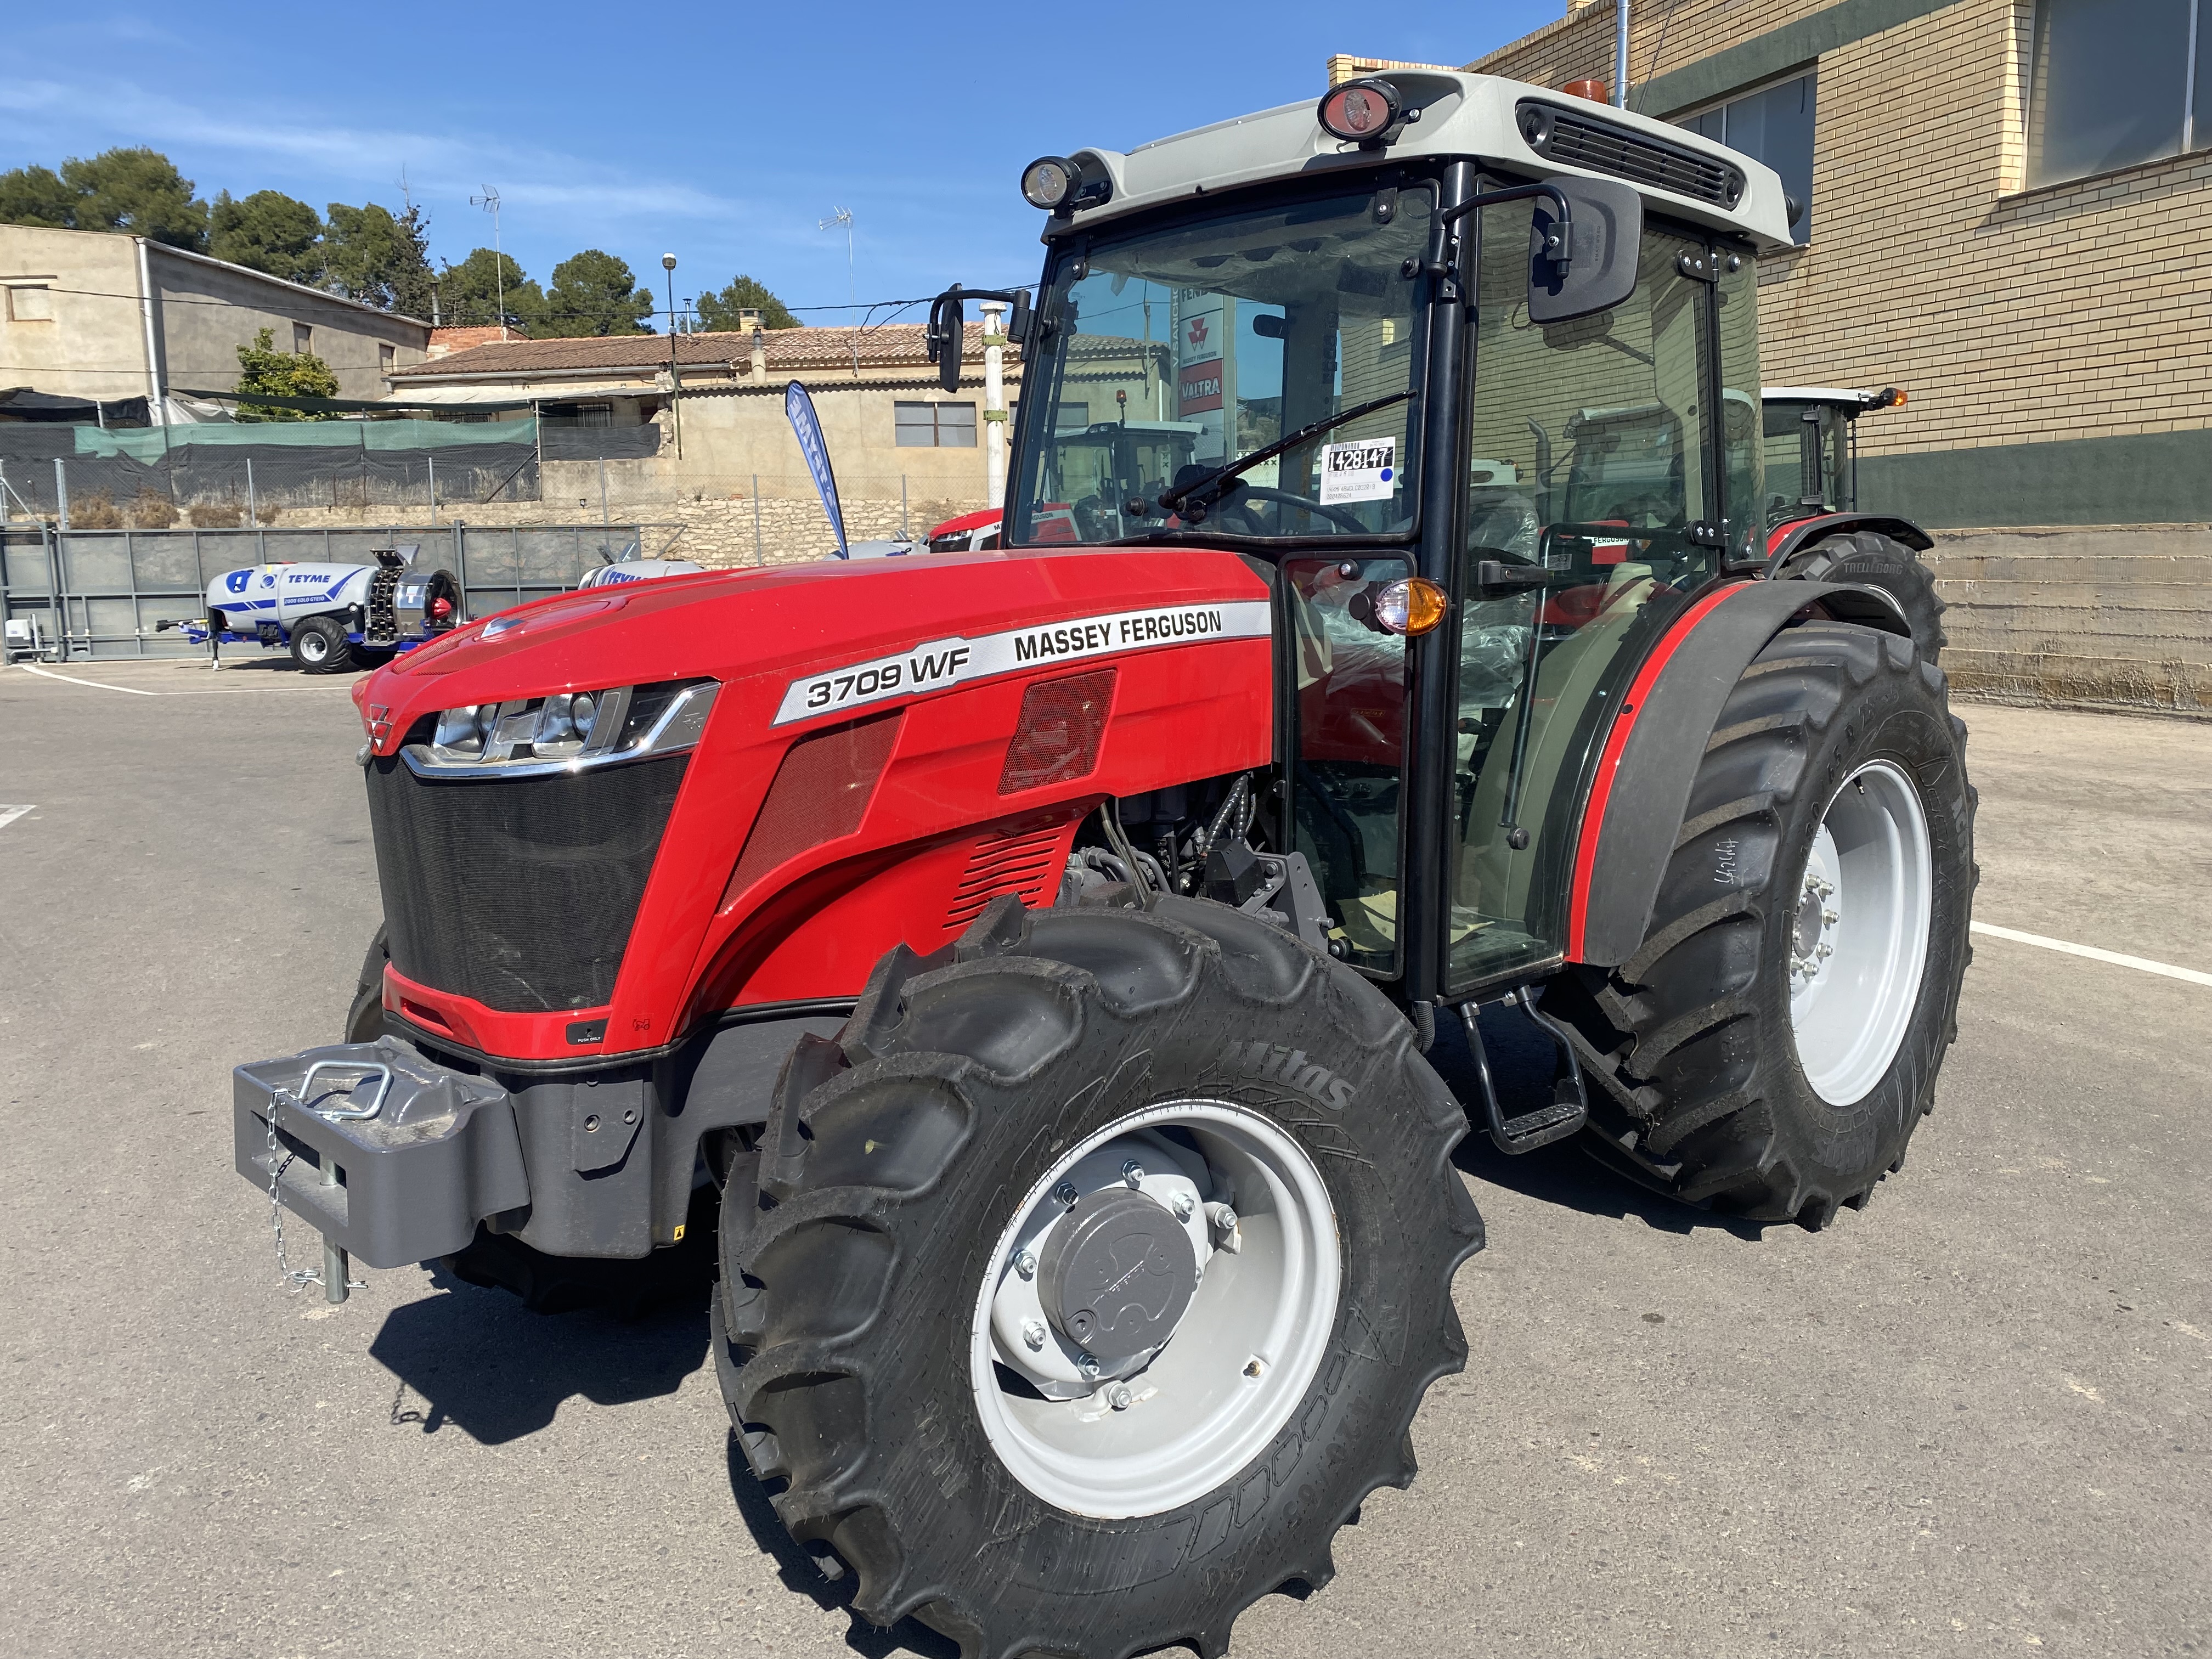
column 806, row 645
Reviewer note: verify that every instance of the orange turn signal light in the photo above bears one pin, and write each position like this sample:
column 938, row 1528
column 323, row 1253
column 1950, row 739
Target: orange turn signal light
column 1411, row 605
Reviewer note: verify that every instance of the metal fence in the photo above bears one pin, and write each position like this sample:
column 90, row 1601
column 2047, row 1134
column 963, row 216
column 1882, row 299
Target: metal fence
column 102, row 593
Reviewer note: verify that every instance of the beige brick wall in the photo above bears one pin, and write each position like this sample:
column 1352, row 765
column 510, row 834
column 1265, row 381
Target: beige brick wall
column 2074, row 310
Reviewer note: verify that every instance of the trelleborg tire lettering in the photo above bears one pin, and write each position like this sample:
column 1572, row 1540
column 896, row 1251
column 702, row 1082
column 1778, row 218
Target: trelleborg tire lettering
column 1703, row 1095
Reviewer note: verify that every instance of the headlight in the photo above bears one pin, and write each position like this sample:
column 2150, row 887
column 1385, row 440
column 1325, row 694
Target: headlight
column 567, row 731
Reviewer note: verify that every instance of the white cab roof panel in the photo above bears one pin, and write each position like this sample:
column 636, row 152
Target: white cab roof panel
column 1477, row 116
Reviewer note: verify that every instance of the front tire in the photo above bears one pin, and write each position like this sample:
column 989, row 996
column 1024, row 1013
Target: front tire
column 1771, row 1047
column 902, row 1160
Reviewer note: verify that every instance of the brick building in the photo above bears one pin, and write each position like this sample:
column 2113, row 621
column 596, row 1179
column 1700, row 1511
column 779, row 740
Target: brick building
column 2007, row 211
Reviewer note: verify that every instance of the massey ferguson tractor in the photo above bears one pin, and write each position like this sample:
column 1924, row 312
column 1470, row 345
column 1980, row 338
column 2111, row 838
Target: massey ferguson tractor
column 1030, row 957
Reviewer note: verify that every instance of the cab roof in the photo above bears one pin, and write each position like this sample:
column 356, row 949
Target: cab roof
column 1517, row 127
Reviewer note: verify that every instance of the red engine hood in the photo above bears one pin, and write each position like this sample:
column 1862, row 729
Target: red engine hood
column 777, row 624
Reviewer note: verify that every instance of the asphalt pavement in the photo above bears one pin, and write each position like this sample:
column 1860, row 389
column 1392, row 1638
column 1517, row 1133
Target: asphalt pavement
column 1973, row 1418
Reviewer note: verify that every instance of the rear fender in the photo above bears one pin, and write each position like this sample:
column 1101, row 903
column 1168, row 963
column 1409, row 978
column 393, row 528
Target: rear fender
column 1650, row 756
column 1787, row 538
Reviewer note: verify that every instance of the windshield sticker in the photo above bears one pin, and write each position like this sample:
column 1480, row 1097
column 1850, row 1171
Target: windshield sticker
column 942, row 663
column 1364, row 471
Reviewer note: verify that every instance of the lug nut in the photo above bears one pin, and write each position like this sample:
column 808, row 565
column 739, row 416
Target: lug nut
column 1118, row 1396
column 1024, row 1264
column 1088, row 1365
column 1033, row 1334
column 1828, row 917
column 1064, row 1193
column 1133, row 1172
column 1182, row 1203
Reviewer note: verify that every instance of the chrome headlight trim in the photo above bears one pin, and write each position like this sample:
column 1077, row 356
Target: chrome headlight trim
column 628, row 723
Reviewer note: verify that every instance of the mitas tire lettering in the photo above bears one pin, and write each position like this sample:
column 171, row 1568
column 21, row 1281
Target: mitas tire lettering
column 895, row 1157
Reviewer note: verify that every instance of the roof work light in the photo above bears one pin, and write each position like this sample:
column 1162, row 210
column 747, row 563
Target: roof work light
column 1367, row 112
column 1050, row 182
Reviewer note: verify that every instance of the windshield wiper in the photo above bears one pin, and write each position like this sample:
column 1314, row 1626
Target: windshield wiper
column 1171, row 500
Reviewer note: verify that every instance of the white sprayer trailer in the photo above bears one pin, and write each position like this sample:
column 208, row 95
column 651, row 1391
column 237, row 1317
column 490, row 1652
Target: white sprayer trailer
column 332, row 617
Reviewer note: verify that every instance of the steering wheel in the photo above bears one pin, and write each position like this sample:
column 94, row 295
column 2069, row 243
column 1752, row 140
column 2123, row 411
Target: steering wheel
column 1336, row 515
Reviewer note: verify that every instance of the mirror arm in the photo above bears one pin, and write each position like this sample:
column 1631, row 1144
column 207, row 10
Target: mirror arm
column 1557, row 241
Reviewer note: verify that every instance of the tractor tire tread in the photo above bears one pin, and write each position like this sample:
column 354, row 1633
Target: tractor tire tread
column 824, row 1351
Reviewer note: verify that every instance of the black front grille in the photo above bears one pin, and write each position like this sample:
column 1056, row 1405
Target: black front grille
column 1573, row 139
column 517, row 892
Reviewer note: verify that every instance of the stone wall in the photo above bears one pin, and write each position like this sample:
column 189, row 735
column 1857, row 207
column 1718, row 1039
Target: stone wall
column 2079, row 615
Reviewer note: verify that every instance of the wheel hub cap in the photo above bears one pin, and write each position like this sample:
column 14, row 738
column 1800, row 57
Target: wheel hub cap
column 1116, row 1274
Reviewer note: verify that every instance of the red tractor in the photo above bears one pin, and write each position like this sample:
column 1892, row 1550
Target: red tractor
column 1030, row 956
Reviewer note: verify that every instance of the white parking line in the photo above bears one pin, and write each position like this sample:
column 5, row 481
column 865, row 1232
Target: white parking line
column 9, row 814
column 187, row 691
column 2094, row 955
column 49, row 674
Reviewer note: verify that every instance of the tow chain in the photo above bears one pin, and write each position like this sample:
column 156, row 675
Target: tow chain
column 294, row 1279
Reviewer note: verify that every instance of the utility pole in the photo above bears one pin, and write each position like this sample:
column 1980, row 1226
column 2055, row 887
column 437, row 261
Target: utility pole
column 994, row 400
column 674, row 374
column 489, row 203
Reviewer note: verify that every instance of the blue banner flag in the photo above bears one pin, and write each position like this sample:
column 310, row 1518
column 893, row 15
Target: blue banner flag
column 807, row 425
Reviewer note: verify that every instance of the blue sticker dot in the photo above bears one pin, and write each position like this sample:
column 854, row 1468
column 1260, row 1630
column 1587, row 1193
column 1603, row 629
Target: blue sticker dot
column 1386, row 475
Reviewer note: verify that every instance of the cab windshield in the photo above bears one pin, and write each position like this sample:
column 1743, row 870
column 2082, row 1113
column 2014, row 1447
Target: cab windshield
column 1171, row 353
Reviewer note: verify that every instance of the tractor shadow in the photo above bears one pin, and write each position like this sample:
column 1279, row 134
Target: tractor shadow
column 798, row 1572
column 477, row 1360
column 1522, row 1060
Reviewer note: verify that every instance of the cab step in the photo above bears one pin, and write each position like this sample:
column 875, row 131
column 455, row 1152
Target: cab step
column 1570, row 1108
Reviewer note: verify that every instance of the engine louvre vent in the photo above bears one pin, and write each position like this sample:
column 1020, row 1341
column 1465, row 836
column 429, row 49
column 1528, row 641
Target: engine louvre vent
column 821, row 791
column 1025, row 862
column 1574, row 139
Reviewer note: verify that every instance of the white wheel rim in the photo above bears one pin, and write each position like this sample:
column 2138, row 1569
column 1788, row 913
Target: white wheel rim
column 312, row 646
column 1208, row 1401
column 1859, row 936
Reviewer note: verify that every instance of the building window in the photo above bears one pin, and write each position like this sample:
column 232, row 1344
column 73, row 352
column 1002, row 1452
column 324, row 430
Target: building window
column 386, row 357
column 303, row 338
column 30, row 302
column 1070, row 417
column 1773, row 124
column 2114, row 83
column 936, row 426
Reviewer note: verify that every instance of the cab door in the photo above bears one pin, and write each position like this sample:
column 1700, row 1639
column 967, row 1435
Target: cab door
column 1612, row 473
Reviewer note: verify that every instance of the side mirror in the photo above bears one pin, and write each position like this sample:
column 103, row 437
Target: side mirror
column 946, row 337
column 1608, row 223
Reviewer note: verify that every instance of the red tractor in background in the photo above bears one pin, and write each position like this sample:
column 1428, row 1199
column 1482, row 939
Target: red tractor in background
column 1028, row 957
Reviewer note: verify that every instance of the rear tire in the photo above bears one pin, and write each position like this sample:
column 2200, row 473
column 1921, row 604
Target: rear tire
column 856, row 1284
column 1712, row 1093
column 319, row 646
column 1871, row 559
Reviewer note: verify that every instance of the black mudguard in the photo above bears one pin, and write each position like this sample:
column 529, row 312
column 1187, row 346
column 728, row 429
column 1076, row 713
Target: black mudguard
column 1635, row 810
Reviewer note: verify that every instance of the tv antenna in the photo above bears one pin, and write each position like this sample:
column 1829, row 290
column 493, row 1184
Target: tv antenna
column 841, row 219
column 489, row 203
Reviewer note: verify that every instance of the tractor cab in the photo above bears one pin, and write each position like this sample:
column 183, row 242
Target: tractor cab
column 1466, row 358
column 1811, row 439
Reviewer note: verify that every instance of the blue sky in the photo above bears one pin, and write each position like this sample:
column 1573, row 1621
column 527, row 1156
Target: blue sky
column 723, row 135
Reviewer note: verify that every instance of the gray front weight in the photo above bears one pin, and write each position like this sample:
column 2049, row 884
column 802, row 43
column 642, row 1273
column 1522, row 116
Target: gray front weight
column 438, row 1156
